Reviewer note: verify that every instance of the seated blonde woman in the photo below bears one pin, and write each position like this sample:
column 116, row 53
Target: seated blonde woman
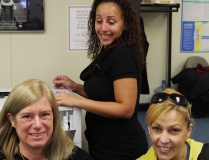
column 170, row 126
column 30, row 126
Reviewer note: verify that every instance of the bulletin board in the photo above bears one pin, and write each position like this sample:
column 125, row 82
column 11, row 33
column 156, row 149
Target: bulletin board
column 195, row 26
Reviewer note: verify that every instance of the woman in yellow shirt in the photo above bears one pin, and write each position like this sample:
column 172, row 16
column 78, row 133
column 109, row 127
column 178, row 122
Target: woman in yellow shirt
column 170, row 126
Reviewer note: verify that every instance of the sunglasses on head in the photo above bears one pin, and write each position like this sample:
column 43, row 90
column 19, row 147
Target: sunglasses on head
column 174, row 98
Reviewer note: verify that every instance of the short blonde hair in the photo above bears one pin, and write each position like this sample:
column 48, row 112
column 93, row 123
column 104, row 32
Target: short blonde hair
column 157, row 110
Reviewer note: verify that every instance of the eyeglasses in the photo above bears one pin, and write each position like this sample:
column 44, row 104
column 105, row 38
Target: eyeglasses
column 174, row 98
column 94, row 69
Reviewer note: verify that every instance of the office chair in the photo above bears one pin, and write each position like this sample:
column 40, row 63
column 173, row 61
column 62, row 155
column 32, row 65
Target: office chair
column 194, row 60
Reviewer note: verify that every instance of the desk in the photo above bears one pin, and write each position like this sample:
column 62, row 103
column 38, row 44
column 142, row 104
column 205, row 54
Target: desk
column 149, row 7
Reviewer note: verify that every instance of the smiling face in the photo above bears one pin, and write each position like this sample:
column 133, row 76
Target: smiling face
column 34, row 124
column 168, row 135
column 109, row 23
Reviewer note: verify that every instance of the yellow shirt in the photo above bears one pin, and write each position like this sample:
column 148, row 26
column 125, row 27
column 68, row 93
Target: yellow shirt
column 195, row 149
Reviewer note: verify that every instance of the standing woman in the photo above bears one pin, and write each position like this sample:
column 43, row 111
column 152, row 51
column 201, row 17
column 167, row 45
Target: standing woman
column 112, row 83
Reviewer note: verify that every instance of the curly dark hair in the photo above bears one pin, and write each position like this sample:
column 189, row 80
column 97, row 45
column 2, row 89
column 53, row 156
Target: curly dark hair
column 132, row 36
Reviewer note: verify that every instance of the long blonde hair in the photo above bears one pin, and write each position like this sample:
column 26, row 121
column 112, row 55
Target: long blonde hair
column 59, row 145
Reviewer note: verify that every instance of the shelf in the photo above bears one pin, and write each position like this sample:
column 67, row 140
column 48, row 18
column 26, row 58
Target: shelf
column 156, row 7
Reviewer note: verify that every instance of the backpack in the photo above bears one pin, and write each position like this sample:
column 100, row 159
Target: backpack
column 200, row 105
column 194, row 86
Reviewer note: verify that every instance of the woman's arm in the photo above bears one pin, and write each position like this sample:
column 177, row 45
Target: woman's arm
column 125, row 91
column 78, row 88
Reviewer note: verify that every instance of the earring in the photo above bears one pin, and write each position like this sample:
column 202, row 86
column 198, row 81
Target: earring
column 121, row 40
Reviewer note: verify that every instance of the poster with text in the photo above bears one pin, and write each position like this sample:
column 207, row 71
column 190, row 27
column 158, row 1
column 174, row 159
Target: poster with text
column 195, row 26
column 77, row 28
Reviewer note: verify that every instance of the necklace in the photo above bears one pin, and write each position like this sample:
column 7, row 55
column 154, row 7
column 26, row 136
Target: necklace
column 22, row 156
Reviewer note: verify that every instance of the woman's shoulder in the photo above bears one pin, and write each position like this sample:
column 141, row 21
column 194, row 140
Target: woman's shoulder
column 79, row 154
column 2, row 156
column 124, row 52
column 123, row 48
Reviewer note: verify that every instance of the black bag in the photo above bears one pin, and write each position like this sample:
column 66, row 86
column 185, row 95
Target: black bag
column 194, row 86
column 200, row 106
column 145, row 85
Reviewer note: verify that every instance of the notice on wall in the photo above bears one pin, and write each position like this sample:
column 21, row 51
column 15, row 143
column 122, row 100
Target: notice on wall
column 195, row 26
column 77, row 28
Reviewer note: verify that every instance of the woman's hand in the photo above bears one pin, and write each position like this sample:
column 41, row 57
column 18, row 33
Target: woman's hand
column 66, row 99
column 63, row 81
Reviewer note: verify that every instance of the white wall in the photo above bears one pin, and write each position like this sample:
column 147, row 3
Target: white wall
column 156, row 28
column 45, row 55
column 156, row 31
